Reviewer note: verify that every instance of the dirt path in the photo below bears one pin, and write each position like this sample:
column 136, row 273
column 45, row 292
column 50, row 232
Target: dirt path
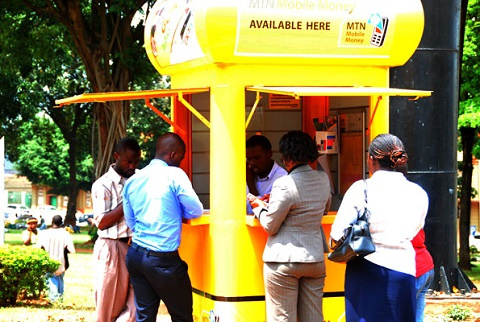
column 437, row 307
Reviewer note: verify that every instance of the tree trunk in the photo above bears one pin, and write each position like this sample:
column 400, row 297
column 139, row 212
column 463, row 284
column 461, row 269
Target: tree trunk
column 73, row 189
column 111, row 118
column 467, row 135
column 103, row 40
column 70, row 128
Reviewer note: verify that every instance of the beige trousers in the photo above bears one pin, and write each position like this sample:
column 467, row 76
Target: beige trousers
column 114, row 299
column 294, row 291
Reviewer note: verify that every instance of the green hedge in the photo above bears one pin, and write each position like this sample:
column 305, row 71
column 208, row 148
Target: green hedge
column 22, row 271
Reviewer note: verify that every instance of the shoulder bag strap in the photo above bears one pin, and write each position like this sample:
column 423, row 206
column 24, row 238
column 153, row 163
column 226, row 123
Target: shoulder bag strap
column 365, row 192
column 364, row 215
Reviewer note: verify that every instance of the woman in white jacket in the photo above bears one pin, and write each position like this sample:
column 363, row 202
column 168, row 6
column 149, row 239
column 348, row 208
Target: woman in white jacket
column 381, row 286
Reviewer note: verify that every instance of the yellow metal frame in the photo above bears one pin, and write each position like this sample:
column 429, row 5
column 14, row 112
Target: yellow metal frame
column 207, row 239
column 296, row 92
column 300, row 91
column 146, row 95
column 193, row 110
column 129, row 95
column 252, row 111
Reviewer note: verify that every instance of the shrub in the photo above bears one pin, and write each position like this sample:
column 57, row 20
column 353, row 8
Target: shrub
column 92, row 232
column 473, row 250
column 457, row 313
column 22, row 270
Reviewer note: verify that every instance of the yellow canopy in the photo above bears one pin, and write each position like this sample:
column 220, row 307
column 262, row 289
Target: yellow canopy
column 298, row 91
column 130, row 95
column 141, row 95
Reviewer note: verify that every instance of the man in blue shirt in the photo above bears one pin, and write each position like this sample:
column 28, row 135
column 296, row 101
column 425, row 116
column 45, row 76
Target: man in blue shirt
column 155, row 200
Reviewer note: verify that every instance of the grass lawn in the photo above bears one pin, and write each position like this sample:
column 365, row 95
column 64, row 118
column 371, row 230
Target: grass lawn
column 14, row 237
column 474, row 274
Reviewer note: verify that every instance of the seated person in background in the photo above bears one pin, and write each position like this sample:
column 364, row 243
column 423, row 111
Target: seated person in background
column 30, row 236
column 262, row 170
column 43, row 225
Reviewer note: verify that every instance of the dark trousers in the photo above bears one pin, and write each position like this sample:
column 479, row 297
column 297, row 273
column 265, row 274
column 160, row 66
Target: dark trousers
column 160, row 278
column 377, row 294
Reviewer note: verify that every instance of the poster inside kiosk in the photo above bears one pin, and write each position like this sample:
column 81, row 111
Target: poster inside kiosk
column 326, row 142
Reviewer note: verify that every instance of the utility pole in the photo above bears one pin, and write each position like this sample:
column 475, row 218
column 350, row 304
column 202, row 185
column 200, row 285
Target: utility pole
column 428, row 127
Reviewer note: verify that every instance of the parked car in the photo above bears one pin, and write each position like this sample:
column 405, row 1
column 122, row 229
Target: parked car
column 83, row 220
column 46, row 212
column 16, row 211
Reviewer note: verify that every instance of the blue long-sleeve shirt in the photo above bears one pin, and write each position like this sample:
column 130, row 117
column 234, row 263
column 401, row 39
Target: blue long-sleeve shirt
column 155, row 200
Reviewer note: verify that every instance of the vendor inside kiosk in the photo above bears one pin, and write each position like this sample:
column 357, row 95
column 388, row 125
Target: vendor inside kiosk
column 243, row 67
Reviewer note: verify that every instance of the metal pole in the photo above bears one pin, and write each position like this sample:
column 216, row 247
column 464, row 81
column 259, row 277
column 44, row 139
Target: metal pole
column 428, row 127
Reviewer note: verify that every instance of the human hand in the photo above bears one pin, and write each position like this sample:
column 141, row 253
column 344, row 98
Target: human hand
column 255, row 202
column 265, row 197
column 258, row 203
column 251, row 197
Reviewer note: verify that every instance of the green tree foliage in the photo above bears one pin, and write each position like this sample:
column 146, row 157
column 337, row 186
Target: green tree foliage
column 110, row 45
column 44, row 158
column 469, row 120
column 146, row 126
column 56, row 49
column 41, row 66
column 469, row 109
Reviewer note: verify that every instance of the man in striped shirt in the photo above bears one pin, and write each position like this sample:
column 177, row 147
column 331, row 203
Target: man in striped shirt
column 114, row 299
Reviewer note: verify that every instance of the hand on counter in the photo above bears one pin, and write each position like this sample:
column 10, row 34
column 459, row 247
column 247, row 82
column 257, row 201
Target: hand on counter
column 265, row 198
column 255, row 201
column 258, row 205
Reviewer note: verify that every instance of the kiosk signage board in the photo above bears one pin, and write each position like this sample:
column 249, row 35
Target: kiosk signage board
column 383, row 33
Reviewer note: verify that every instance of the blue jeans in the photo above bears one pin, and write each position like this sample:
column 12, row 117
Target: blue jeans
column 422, row 283
column 160, row 278
column 55, row 286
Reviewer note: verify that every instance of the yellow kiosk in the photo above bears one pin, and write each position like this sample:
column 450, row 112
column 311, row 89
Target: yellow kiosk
column 242, row 66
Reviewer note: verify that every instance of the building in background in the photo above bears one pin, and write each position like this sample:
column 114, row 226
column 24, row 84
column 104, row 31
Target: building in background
column 19, row 190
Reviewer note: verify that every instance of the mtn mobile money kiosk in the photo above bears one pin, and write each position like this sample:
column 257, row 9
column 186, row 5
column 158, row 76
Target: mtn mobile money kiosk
column 239, row 67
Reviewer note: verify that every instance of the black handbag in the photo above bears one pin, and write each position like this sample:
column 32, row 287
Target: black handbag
column 356, row 240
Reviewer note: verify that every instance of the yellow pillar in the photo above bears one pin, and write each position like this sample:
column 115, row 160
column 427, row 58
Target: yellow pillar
column 379, row 115
column 235, row 279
